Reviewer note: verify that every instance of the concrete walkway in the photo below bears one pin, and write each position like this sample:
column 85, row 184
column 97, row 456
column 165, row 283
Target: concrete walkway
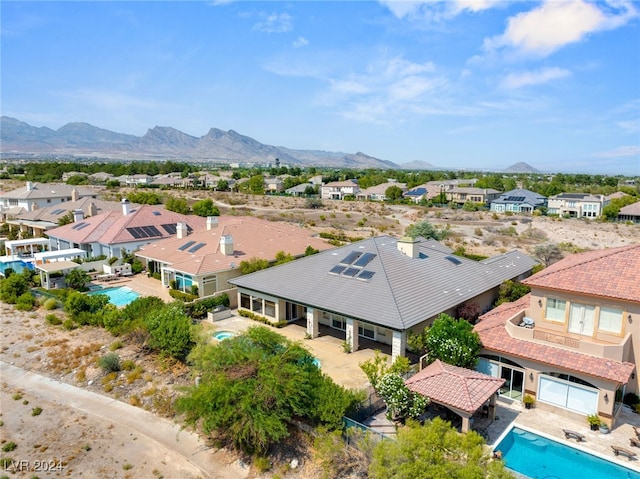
column 166, row 434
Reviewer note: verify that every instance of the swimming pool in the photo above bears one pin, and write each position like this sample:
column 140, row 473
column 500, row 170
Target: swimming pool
column 120, row 295
column 221, row 335
column 539, row 458
column 18, row 266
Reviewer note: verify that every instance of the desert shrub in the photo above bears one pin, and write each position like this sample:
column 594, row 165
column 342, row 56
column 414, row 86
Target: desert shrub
column 130, row 318
column 115, row 345
column 52, row 319
column 110, row 362
column 68, row 324
column 36, row 411
column 170, row 331
column 50, row 304
column 25, row 302
column 128, row 365
column 9, row 446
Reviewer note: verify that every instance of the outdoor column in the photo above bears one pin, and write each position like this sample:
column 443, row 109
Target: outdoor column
column 312, row 322
column 465, row 424
column 398, row 345
column 352, row 334
column 492, row 407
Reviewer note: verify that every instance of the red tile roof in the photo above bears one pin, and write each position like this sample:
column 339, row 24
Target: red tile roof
column 461, row 388
column 495, row 338
column 612, row 273
column 252, row 238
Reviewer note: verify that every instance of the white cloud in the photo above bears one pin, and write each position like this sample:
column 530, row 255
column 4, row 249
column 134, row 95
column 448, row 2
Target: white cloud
column 623, row 151
column 519, row 80
column 554, row 24
column 300, row 42
column 436, row 10
column 275, row 23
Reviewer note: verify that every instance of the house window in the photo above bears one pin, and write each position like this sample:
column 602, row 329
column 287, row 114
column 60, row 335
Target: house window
column 366, row 332
column 581, row 318
column 610, row 320
column 245, row 301
column 555, row 309
column 270, row 309
column 338, row 322
column 256, row 305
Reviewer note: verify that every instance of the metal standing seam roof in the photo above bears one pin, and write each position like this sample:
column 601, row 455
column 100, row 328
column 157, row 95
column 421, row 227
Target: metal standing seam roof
column 402, row 292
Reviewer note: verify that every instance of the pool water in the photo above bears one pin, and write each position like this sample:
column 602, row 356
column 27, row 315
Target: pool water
column 120, row 296
column 538, row 458
column 221, row 335
column 18, row 266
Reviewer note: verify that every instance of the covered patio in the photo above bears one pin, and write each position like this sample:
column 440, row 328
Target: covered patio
column 60, row 255
column 52, row 274
column 463, row 391
column 26, row 247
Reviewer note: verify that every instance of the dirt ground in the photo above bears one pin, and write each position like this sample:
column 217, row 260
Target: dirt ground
column 84, row 446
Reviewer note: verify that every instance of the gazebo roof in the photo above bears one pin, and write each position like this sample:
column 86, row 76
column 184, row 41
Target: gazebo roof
column 460, row 388
column 57, row 266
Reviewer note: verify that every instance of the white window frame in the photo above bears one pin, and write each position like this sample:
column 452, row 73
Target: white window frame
column 610, row 316
column 552, row 304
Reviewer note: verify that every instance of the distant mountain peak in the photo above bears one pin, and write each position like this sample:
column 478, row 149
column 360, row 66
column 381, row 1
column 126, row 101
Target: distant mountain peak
column 521, row 167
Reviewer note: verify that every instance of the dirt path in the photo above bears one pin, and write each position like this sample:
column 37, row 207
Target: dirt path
column 107, row 437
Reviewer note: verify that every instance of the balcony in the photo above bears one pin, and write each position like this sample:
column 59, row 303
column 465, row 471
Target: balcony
column 522, row 326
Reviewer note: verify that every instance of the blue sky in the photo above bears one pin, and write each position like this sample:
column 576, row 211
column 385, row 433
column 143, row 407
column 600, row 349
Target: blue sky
column 459, row 84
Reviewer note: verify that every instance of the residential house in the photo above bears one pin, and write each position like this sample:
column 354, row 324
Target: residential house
column 115, row 232
column 69, row 174
column 273, row 184
column 100, row 178
column 209, row 257
column 35, row 223
column 461, row 194
column 518, row 201
column 337, row 190
column 40, row 195
column 577, row 205
column 379, row 288
column 135, row 180
column 630, row 213
column 433, row 190
column 572, row 342
column 378, row 192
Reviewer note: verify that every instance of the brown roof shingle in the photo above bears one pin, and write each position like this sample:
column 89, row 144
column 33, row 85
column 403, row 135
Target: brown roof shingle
column 461, row 388
column 612, row 273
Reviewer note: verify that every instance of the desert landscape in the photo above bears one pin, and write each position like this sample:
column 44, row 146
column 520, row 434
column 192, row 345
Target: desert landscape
column 56, row 435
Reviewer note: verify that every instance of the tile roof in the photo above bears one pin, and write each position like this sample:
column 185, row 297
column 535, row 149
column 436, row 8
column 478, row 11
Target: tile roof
column 461, row 388
column 252, row 238
column 521, row 195
column 111, row 228
column 632, row 210
column 49, row 190
column 612, row 273
column 55, row 212
column 401, row 291
column 494, row 337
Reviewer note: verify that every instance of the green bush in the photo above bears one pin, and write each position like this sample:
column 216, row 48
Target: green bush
column 179, row 295
column 68, row 324
column 50, row 304
column 200, row 308
column 25, row 302
column 110, row 363
column 9, row 446
column 53, row 319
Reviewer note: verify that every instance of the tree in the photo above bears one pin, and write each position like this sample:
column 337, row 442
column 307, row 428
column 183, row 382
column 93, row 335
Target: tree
column 77, row 278
column 252, row 385
column 252, row 265
column 453, row 341
column 12, row 287
column 393, row 193
column 205, row 208
column 177, row 205
column 170, row 331
column 612, row 210
column 66, row 219
column 425, row 230
column 401, row 401
column 511, row 291
column 548, row 253
column 255, row 184
column 378, row 366
column 144, row 197
column 222, row 185
column 85, row 309
column 435, row 450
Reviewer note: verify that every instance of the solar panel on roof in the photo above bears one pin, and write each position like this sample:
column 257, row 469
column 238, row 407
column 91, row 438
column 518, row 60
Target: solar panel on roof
column 57, row 212
column 134, row 232
column 156, row 213
column 350, row 272
column 364, row 260
column 196, row 247
column 186, row 245
column 453, row 259
column 366, row 274
column 170, row 228
column 78, row 225
column 151, row 230
column 351, row 257
column 82, row 225
column 337, row 269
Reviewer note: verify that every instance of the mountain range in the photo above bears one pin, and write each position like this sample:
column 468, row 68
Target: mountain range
column 82, row 140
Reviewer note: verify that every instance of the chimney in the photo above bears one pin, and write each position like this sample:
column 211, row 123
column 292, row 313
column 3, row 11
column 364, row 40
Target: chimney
column 78, row 215
column 93, row 209
column 74, row 194
column 29, row 186
column 212, row 222
column 181, row 230
column 226, row 245
column 409, row 246
column 126, row 206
